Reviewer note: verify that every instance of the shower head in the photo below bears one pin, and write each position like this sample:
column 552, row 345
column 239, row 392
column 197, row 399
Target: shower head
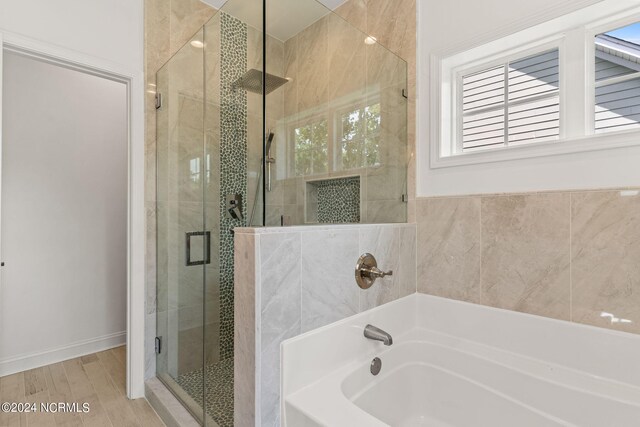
column 252, row 82
column 269, row 141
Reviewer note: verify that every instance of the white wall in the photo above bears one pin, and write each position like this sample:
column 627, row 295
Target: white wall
column 63, row 289
column 111, row 30
column 457, row 25
column 107, row 35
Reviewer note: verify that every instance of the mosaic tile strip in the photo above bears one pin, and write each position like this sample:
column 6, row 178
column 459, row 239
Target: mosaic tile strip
column 339, row 200
column 233, row 161
column 218, row 390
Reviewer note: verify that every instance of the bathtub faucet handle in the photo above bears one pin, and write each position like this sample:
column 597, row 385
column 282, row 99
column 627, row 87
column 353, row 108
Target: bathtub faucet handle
column 376, row 272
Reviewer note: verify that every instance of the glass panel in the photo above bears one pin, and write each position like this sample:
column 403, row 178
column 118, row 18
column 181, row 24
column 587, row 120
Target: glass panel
column 617, row 67
column 182, row 244
column 340, row 122
column 386, row 136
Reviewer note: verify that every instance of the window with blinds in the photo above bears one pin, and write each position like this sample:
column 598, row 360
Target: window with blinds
column 617, row 79
column 514, row 103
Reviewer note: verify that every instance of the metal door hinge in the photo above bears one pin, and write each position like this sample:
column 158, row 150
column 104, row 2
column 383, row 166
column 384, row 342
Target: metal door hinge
column 158, row 345
column 158, row 101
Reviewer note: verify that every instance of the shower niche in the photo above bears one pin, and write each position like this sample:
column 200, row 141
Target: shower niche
column 301, row 122
column 333, row 200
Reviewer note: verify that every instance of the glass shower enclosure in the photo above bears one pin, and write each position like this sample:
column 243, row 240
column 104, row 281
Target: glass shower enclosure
column 320, row 137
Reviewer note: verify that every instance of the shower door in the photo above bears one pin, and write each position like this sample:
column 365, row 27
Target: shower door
column 185, row 245
column 210, row 134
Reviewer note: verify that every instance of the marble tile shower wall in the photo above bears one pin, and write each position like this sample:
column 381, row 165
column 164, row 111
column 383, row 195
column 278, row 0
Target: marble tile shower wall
column 393, row 24
column 299, row 279
column 334, row 71
column 566, row 255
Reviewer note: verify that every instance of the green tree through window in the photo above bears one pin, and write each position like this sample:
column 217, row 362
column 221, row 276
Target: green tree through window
column 311, row 148
column 361, row 137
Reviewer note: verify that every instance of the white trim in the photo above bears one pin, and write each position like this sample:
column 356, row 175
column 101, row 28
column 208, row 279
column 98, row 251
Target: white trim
column 134, row 79
column 58, row 354
column 595, row 142
column 577, row 129
column 1, row 142
column 509, row 28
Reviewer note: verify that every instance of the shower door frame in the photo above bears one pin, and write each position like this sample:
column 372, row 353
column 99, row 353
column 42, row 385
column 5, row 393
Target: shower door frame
column 133, row 79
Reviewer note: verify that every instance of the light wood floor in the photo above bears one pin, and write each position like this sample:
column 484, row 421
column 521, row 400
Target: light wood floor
column 97, row 379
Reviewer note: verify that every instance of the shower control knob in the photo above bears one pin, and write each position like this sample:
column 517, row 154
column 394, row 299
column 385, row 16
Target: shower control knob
column 367, row 271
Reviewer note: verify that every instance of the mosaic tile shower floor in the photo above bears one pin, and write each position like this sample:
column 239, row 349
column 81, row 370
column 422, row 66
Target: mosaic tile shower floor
column 219, row 390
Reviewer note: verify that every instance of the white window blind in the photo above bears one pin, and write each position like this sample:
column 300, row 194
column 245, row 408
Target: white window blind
column 511, row 104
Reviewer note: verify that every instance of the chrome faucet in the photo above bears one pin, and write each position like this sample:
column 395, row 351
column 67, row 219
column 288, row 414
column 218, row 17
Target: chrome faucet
column 377, row 334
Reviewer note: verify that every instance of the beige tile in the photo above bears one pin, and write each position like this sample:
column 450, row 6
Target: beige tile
column 187, row 16
column 407, row 264
column 393, row 23
column 525, row 253
column 449, row 247
column 291, row 71
column 313, row 75
column 355, row 12
column 605, row 248
column 244, row 330
column 346, row 59
column 157, row 44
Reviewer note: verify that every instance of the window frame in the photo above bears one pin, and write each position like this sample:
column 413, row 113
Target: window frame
column 591, row 31
column 332, row 114
column 309, row 119
column 573, row 35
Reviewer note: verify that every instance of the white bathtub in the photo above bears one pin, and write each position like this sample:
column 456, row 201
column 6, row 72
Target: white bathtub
column 459, row 364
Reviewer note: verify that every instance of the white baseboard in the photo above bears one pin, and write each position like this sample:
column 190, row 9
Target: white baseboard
column 54, row 355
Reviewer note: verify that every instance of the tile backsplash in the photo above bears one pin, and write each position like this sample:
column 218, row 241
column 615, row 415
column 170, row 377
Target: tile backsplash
column 566, row 255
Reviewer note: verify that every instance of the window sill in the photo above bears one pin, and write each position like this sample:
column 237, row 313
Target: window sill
column 595, row 142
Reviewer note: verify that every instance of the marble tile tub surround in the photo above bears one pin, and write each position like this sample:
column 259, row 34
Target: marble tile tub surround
column 565, row 255
column 299, row 279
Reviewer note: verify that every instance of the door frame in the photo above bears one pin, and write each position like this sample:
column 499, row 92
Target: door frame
column 134, row 80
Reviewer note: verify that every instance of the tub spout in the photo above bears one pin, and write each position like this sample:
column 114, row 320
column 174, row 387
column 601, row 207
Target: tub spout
column 377, row 334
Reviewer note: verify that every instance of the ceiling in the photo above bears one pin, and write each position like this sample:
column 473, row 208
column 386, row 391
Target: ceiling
column 286, row 18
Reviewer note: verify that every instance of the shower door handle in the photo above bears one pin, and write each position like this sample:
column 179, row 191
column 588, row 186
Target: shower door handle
column 207, row 245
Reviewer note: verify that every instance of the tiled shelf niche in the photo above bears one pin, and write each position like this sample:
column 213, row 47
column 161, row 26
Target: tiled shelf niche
column 333, row 200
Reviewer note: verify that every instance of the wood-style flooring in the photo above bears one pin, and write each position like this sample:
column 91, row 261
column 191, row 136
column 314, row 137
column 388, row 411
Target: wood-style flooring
column 97, row 379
